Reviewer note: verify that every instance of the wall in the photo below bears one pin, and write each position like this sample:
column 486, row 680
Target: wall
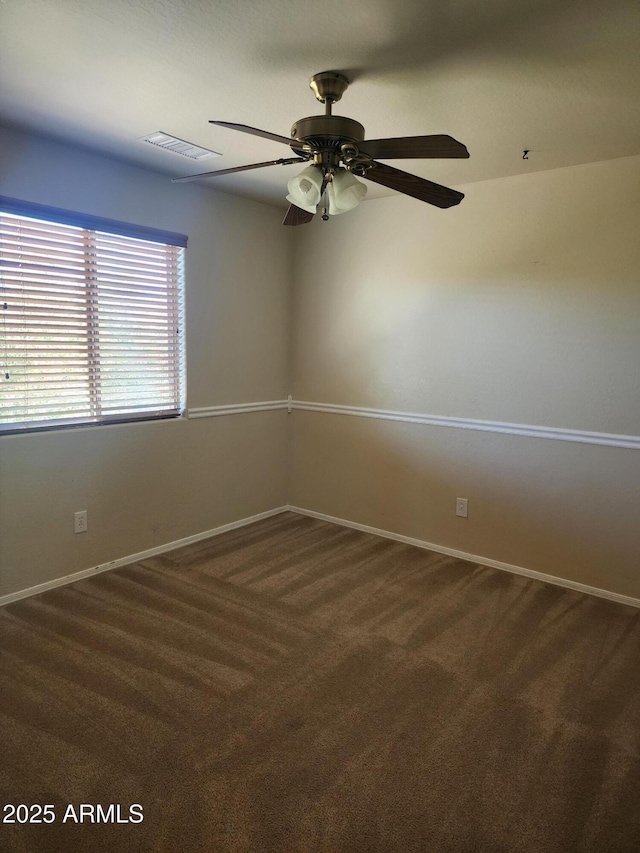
column 147, row 484
column 520, row 306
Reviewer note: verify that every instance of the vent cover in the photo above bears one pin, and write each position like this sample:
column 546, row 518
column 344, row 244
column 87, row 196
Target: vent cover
column 178, row 146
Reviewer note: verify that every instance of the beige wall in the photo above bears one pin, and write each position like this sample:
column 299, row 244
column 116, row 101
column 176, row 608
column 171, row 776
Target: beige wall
column 522, row 305
column 151, row 483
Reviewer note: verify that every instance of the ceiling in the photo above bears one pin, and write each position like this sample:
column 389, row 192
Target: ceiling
column 557, row 77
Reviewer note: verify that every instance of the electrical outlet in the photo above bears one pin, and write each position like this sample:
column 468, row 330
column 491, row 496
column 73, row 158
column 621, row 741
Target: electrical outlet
column 80, row 521
column 461, row 507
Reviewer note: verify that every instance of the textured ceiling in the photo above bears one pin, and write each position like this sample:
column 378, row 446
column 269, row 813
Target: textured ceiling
column 558, row 77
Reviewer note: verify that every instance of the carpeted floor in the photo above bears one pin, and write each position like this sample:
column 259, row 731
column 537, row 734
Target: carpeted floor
column 298, row 686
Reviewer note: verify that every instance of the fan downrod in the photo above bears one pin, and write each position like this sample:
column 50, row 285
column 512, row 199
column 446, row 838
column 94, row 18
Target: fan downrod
column 328, row 132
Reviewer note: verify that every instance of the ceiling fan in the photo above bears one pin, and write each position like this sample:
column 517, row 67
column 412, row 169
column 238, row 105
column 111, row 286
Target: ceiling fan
column 338, row 154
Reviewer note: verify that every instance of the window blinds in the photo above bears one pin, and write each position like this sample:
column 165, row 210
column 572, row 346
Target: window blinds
column 90, row 325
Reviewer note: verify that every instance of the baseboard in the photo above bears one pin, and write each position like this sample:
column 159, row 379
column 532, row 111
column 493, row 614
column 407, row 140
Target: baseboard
column 134, row 558
column 474, row 558
column 376, row 531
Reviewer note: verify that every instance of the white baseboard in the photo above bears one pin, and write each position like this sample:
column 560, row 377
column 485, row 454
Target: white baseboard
column 376, row 531
column 474, row 558
column 134, row 558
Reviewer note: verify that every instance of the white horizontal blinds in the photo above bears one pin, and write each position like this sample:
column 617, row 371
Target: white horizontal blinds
column 43, row 351
column 89, row 325
column 135, row 353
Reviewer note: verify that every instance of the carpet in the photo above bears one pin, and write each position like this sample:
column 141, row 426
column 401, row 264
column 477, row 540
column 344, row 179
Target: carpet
column 294, row 685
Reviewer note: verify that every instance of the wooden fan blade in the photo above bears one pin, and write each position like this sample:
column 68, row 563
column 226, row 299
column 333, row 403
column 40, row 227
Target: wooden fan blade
column 439, row 146
column 296, row 216
column 413, row 185
column 282, row 162
column 254, row 131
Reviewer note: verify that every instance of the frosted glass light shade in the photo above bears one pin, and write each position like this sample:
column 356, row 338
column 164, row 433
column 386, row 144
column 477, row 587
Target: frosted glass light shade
column 344, row 192
column 305, row 189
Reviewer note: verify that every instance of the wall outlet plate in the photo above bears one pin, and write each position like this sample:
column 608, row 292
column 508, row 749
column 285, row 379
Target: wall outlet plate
column 462, row 507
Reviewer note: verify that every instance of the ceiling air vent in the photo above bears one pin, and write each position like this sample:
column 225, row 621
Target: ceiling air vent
column 178, row 146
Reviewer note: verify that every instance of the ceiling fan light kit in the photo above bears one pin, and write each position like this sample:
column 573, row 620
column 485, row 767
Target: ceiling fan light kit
column 305, row 190
column 344, row 192
column 337, row 152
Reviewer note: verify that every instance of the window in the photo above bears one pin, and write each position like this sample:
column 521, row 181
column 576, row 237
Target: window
column 91, row 325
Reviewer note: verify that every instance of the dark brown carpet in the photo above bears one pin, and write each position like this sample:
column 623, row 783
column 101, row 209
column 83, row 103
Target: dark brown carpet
column 299, row 686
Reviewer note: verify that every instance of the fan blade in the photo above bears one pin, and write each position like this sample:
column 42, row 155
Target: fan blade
column 281, row 162
column 440, row 146
column 254, row 131
column 413, row 185
column 296, row 216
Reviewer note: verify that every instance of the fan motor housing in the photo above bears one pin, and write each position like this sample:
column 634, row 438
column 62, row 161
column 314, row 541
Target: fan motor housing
column 327, row 131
